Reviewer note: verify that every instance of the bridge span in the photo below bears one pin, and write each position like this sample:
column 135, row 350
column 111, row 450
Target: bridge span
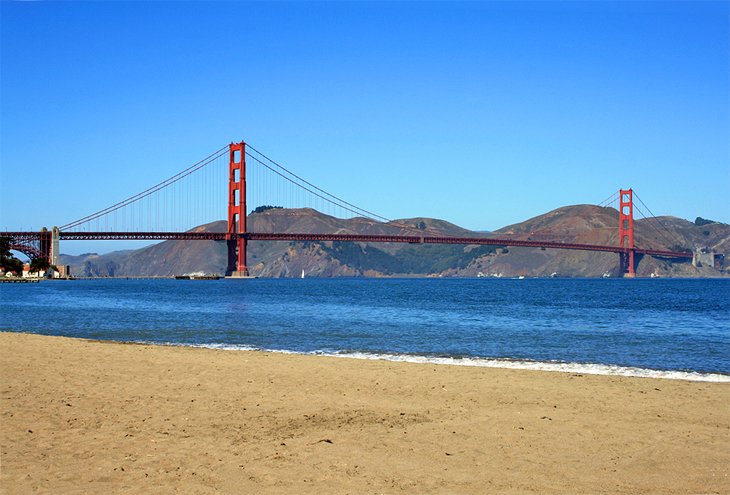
column 45, row 243
column 31, row 242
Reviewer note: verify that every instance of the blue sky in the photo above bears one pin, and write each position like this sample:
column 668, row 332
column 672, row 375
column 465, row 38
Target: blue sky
column 480, row 113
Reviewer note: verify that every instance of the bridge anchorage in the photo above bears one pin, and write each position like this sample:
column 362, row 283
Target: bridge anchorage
column 43, row 244
column 150, row 206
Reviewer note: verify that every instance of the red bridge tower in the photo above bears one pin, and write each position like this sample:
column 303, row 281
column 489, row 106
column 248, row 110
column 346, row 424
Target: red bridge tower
column 236, row 211
column 626, row 231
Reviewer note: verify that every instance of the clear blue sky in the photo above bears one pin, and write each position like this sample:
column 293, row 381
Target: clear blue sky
column 480, row 113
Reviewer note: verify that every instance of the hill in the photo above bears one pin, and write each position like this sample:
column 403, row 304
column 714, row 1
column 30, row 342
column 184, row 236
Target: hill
column 581, row 224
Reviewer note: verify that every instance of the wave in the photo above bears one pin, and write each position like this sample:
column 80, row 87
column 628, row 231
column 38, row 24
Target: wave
column 516, row 364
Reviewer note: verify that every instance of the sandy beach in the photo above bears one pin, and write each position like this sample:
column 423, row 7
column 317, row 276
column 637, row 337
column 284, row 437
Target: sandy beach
column 100, row 417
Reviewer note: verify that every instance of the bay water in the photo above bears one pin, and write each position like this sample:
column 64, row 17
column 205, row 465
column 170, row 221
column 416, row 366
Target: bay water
column 672, row 328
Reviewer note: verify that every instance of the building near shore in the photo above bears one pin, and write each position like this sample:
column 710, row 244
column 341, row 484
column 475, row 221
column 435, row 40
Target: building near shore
column 29, row 274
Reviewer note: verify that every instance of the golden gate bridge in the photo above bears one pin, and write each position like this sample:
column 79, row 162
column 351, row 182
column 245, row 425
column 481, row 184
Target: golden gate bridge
column 197, row 195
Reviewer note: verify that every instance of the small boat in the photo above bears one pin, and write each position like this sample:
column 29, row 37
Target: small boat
column 521, row 277
column 302, row 273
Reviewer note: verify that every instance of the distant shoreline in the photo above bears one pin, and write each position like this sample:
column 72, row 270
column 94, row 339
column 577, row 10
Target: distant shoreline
column 401, row 276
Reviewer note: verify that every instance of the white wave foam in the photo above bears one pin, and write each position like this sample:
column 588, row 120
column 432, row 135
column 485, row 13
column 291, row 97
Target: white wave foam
column 225, row 347
column 584, row 368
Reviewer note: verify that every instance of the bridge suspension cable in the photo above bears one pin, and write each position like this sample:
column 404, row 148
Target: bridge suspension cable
column 161, row 186
column 609, row 201
column 671, row 237
column 293, row 178
column 656, row 218
column 648, row 222
column 327, row 197
column 197, row 195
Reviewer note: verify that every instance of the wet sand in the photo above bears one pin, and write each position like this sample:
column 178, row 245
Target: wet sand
column 99, row 417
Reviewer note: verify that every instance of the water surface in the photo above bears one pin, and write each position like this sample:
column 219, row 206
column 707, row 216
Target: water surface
column 669, row 325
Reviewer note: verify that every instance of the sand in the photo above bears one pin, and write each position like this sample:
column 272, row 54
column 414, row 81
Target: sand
column 99, row 417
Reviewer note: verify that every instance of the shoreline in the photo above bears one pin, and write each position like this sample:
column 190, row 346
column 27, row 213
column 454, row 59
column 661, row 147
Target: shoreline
column 90, row 416
column 598, row 369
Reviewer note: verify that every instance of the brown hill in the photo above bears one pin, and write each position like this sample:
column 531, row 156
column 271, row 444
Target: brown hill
column 581, row 224
column 588, row 224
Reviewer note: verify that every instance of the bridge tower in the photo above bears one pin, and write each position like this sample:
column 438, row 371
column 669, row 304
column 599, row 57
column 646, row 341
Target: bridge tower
column 626, row 231
column 55, row 245
column 45, row 245
column 236, row 211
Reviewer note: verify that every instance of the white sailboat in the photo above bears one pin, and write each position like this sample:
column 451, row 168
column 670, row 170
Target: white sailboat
column 302, row 272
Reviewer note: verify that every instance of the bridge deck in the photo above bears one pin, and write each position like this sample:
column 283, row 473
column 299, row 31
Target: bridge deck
column 262, row 236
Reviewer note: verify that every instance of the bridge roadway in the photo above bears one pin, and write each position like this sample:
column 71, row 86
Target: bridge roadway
column 259, row 236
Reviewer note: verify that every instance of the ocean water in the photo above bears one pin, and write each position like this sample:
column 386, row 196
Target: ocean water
column 668, row 328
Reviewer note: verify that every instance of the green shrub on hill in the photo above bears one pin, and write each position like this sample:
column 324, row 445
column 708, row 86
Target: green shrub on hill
column 422, row 258
column 263, row 208
column 699, row 221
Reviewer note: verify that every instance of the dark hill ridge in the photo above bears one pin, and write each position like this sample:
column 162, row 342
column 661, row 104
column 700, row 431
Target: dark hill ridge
column 581, row 223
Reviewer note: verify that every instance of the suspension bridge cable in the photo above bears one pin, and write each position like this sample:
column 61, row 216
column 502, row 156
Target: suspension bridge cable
column 340, row 200
column 661, row 234
column 337, row 201
column 161, row 185
column 303, row 187
column 351, row 208
column 659, row 221
column 167, row 182
column 609, row 199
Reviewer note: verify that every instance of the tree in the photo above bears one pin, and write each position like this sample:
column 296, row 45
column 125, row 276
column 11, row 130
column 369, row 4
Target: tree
column 263, row 208
column 4, row 248
column 8, row 262
column 699, row 221
column 39, row 265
